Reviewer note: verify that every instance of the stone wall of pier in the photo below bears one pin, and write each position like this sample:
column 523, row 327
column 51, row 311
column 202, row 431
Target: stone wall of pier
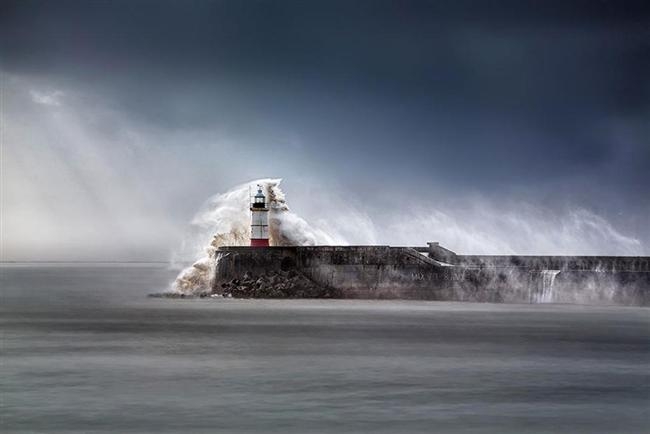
column 420, row 273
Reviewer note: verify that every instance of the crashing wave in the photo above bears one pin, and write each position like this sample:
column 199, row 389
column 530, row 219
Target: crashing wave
column 224, row 220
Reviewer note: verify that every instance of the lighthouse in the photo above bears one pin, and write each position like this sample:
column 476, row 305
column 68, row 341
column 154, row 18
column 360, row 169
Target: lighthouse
column 259, row 220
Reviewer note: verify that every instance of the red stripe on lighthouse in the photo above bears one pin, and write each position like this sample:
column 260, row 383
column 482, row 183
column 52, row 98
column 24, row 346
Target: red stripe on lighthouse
column 259, row 242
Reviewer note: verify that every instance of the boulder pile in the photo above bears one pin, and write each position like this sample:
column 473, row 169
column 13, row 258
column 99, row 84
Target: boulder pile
column 275, row 284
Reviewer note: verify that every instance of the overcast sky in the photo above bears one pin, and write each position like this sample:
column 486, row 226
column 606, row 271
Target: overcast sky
column 500, row 123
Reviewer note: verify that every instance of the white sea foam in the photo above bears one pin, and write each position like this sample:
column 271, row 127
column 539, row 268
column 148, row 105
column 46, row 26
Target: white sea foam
column 224, row 220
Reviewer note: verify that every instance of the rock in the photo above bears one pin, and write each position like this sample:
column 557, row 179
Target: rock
column 273, row 284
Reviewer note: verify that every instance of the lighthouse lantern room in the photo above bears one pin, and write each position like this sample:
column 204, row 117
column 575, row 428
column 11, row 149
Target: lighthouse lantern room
column 259, row 220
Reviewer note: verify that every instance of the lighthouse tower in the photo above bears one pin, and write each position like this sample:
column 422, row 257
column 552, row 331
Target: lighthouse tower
column 259, row 220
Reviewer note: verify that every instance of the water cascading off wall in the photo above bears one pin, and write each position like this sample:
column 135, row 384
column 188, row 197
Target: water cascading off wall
column 225, row 221
column 545, row 294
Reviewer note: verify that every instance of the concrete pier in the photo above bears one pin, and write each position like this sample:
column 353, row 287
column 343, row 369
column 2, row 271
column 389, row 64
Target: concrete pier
column 436, row 273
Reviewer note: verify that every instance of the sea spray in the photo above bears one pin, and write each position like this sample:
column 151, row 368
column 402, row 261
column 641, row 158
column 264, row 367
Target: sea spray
column 224, row 220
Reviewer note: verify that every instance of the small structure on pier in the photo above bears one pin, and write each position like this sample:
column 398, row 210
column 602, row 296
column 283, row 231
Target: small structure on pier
column 259, row 220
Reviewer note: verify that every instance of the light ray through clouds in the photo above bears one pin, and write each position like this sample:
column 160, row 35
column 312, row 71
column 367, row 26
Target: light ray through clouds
column 77, row 189
column 514, row 127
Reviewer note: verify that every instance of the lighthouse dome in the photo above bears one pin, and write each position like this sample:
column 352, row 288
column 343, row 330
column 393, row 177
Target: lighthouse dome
column 259, row 201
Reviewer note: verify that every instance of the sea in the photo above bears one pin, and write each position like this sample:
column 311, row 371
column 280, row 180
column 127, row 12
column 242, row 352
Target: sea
column 84, row 350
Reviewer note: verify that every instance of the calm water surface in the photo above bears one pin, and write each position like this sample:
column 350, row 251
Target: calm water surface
column 83, row 350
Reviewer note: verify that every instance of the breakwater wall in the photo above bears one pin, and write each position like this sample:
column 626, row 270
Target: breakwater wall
column 436, row 273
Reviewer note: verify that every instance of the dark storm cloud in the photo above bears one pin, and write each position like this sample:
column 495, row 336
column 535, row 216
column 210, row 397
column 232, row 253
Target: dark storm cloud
column 510, row 97
column 477, row 80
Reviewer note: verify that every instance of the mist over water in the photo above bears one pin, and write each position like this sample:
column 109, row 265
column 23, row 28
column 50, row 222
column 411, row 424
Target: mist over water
column 481, row 226
column 84, row 350
column 476, row 227
column 493, row 127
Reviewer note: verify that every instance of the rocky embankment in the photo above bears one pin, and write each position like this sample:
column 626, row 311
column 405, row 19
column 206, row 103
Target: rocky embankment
column 273, row 284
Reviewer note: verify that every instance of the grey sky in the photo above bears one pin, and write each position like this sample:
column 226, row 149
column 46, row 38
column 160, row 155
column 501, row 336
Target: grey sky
column 121, row 117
